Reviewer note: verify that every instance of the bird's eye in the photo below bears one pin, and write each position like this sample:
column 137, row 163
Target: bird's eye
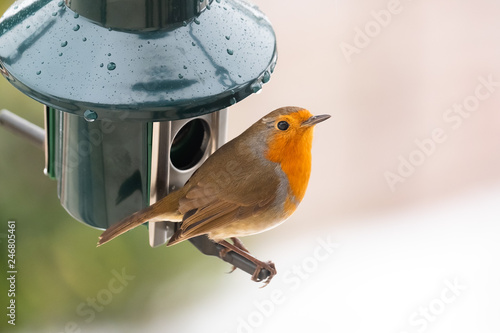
column 283, row 125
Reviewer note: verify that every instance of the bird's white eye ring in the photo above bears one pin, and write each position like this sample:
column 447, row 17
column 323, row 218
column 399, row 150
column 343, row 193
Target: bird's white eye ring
column 283, row 125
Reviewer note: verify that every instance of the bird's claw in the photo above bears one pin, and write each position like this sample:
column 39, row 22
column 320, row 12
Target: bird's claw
column 270, row 267
column 260, row 265
column 224, row 252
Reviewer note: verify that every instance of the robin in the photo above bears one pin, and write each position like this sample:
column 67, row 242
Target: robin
column 249, row 185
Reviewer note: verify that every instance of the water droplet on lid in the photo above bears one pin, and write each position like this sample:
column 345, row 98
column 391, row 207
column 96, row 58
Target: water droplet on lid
column 218, row 1
column 266, row 77
column 76, row 27
column 101, row 65
column 232, row 101
column 28, row 26
column 76, row 15
column 230, row 52
column 63, row 44
column 192, row 43
column 256, row 86
column 208, row 7
column 89, row 115
column 60, row 3
column 60, row 54
column 54, row 14
column 196, row 20
column 38, row 73
column 109, row 54
column 184, row 23
column 180, row 76
column 185, row 67
column 228, row 37
column 111, row 66
column 84, row 39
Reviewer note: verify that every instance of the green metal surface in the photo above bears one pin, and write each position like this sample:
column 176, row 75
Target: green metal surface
column 149, row 157
column 102, row 168
column 51, row 132
column 138, row 15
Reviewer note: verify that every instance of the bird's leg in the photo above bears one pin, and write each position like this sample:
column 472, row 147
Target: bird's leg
column 244, row 253
column 238, row 244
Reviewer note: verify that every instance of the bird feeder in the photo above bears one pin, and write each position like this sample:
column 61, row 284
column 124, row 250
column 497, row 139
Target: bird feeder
column 135, row 92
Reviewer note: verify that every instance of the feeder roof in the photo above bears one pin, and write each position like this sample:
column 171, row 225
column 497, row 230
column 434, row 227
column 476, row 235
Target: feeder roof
column 71, row 62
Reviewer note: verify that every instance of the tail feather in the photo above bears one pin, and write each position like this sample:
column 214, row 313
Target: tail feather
column 126, row 224
column 163, row 210
column 176, row 238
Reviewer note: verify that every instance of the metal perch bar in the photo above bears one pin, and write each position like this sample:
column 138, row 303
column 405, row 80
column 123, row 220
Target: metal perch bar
column 22, row 127
column 207, row 247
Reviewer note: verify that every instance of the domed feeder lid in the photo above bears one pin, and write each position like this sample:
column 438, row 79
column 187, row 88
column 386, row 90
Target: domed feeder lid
column 131, row 59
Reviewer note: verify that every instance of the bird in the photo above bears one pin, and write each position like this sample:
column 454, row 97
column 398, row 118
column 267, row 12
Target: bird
column 249, row 185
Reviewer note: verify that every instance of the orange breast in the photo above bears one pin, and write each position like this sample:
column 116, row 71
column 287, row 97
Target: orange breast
column 293, row 152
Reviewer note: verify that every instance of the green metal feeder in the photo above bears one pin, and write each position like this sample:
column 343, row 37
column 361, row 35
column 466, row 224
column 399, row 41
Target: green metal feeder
column 135, row 92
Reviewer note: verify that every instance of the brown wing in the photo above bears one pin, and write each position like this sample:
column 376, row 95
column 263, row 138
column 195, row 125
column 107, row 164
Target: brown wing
column 241, row 187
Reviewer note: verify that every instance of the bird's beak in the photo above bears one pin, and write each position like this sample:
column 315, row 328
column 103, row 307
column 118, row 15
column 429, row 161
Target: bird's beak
column 315, row 120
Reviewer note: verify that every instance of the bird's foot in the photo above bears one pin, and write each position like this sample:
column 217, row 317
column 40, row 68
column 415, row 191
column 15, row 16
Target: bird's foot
column 238, row 247
column 269, row 266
